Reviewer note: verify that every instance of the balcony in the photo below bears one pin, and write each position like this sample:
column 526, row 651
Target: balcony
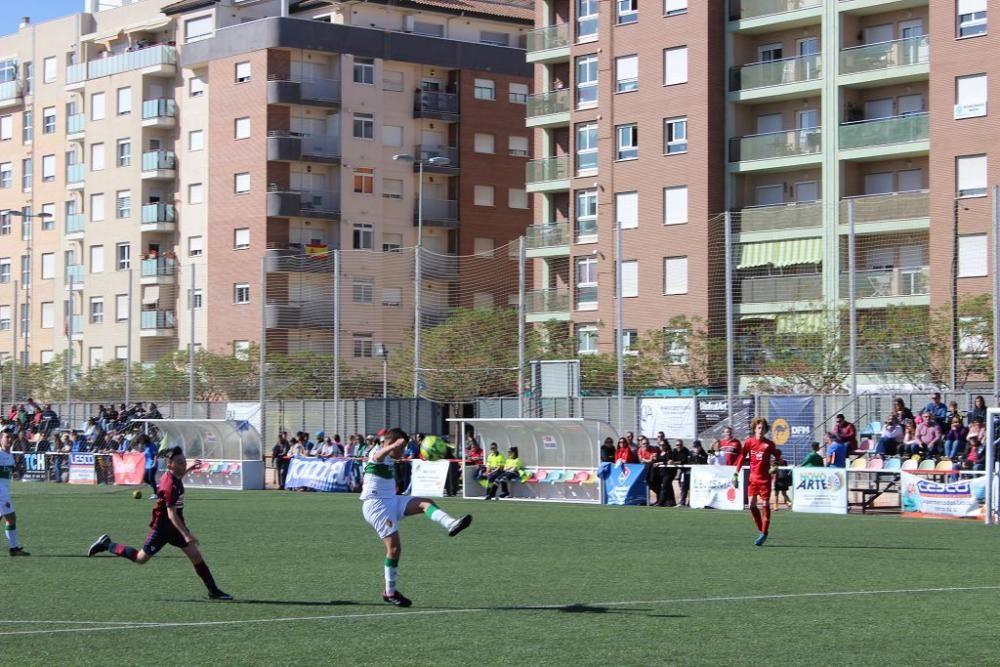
column 780, row 217
column 901, row 136
column 320, row 204
column 787, row 148
column 75, row 176
column 755, row 16
column 549, row 109
column 11, row 94
column 297, row 147
column 425, row 152
column 437, row 266
column 74, row 276
column 304, row 90
column 548, row 174
column 436, row 105
column 777, row 289
column 547, row 304
column 74, row 327
column 291, row 260
column 159, row 60
column 898, row 210
column 891, row 283
column 550, row 240
column 76, row 126
column 157, row 323
column 776, row 79
column 159, row 217
column 158, row 271
column 437, row 213
column 160, row 113
column 159, row 166
column 74, row 227
column 883, row 63
column 549, row 44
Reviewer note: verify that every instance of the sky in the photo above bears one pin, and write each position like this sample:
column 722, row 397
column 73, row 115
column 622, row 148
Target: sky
column 11, row 11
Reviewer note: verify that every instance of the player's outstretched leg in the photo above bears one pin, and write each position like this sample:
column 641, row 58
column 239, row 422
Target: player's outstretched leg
column 10, row 532
column 214, row 592
column 439, row 516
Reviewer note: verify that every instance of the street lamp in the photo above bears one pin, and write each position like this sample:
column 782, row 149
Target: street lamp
column 382, row 350
column 26, row 285
column 436, row 161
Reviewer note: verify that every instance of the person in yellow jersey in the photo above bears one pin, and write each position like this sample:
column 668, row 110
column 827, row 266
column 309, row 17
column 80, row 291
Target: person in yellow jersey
column 494, row 464
column 512, row 469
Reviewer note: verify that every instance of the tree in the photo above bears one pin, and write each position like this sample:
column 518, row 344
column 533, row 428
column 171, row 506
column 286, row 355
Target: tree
column 810, row 360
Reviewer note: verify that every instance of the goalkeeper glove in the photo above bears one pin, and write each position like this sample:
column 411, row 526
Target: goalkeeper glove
column 736, row 480
column 774, row 469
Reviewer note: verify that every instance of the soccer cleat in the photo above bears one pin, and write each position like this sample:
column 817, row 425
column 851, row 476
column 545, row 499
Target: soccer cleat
column 18, row 551
column 459, row 525
column 152, row 497
column 397, row 599
column 100, row 545
column 759, row 542
column 218, row 594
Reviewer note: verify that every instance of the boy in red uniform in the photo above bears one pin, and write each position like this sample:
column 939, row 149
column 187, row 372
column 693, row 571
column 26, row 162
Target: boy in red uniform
column 167, row 526
column 760, row 451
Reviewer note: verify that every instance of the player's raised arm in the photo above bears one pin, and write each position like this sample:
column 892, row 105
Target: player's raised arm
column 388, row 449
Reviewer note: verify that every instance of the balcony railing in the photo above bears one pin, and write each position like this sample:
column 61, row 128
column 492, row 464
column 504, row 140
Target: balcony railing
column 787, row 143
column 551, row 235
column 547, row 169
column 153, row 56
column 554, row 101
column 547, row 301
column 549, row 37
column 74, row 223
column 159, row 160
column 889, row 206
column 426, row 152
column 774, row 289
column 161, row 266
column 76, row 123
column 159, row 212
column 775, row 72
column 157, row 319
column 885, row 55
column 303, row 90
column 75, row 173
column 75, row 325
column 885, row 131
column 159, row 108
column 434, row 104
column 10, row 90
column 437, row 210
column 750, row 9
column 303, row 203
column 74, row 273
column 894, row 282
column 793, row 215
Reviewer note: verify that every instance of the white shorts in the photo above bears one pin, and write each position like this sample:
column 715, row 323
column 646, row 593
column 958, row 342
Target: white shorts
column 6, row 507
column 384, row 514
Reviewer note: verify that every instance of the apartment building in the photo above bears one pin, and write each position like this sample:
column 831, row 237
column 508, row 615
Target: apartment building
column 162, row 161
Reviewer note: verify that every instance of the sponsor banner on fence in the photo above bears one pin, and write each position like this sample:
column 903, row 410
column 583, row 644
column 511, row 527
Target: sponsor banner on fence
column 216, row 474
column 624, row 483
column 244, row 411
column 964, row 499
column 81, row 468
column 674, row 416
column 713, row 412
column 322, row 474
column 32, row 467
column 819, row 490
column 791, row 420
column 128, row 468
column 712, row 486
column 427, row 478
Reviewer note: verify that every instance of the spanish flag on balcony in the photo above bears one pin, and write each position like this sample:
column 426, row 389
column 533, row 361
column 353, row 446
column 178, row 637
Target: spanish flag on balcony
column 317, row 250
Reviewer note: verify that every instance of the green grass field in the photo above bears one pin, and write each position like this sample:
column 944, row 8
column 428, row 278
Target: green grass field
column 527, row 584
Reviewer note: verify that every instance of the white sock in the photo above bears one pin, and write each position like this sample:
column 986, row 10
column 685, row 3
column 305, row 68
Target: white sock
column 440, row 517
column 391, row 571
column 11, row 537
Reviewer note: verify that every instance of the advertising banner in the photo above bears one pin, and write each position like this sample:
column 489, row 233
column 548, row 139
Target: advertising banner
column 791, row 420
column 922, row 497
column 427, row 478
column 336, row 475
column 712, row 486
column 624, row 483
column 819, row 490
column 713, row 414
column 31, row 467
column 81, row 468
column 674, row 416
column 128, row 468
column 244, row 411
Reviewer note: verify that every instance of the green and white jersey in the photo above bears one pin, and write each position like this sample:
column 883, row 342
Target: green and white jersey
column 6, row 469
column 379, row 479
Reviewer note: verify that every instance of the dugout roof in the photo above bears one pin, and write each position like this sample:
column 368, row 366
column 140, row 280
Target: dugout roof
column 213, row 439
column 550, row 443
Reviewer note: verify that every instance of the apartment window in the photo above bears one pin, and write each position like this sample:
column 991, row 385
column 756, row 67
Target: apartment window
column 196, row 86
column 123, row 256
column 124, row 152
column 630, row 278
column 364, row 71
column 518, row 93
column 97, row 106
column 97, row 259
column 48, row 168
column 123, row 204
column 627, row 74
column 392, row 81
column 586, row 148
column 484, row 143
column 675, row 65
column 483, row 195
column 47, row 312
column 195, row 246
column 196, row 140
column 241, row 128
column 675, row 275
column 49, row 214
column 430, row 29
column 971, row 18
column 241, row 293
column 26, row 174
column 970, row 96
column 484, row 89
column 124, row 101
column 392, row 135
column 48, row 120
column 628, row 142
column 971, row 175
column 96, row 157
column 199, row 28
column 586, row 81
column 242, row 72
column 675, row 205
column 628, row 11
column 6, row 127
column 6, row 174
column 27, row 129
column 29, row 78
column 26, row 219
column 25, row 273
column 586, row 20
column 96, row 207
column 241, row 183
column 392, row 243
column 392, row 188
column 363, row 290
column 972, row 256
column 195, row 299
column 675, row 346
column 392, row 296
column 49, row 69
column 586, row 215
column 363, row 346
column 518, row 146
column 627, row 209
column 674, row 7
column 517, row 198
column 586, row 282
column 196, row 193
column 121, row 307
column 586, row 339
column 121, row 352
column 675, row 136
column 48, row 265
column 363, row 236
column 241, row 238
column 494, row 38
column 364, row 180
column 4, row 269
column 483, row 247
column 364, row 126
column 96, row 310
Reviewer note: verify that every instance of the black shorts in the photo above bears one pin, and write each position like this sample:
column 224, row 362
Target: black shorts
column 158, row 537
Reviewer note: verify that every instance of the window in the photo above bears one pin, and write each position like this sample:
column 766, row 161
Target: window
column 586, row 20
column 97, row 106
column 26, row 219
column 627, row 209
column 25, row 277
column 363, row 236
column 242, row 72
column 364, row 180
column 364, row 71
column 124, row 153
column 484, row 143
column 392, row 296
column 628, row 142
column 49, row 222
column 972, row 256
column 675, row 275
column 517, row 198
column 47, row 315
column 96, row 310
column 675, row 205
column 48, row 265
column 124, row 101
column 241, row 128
column 6, row 127
column 675, row 346
column 195, row 246
column 199, row 28
column 970, row 96
column 586, row 215
column 586, row 339
column 4, row 318
column 123, row 204
column 483, row 195
column 392, row 188
column 494, row 38
column 121, row 352
column 241, row 238
column 196, row 193
column 586, row 81
column 392, row 81
column 26, row 175
column 48, row 120
column 586, row 282
column 195, row 299
column 96, row 207
column 49, row 69
column 121, row 307
column 630, row 278
column 392, row 243
column 426, row 28
column 627, row 74
column 196, row 140
column 27, row 129
column 628, row 11
column 484, row 89
column 363, row 346
column 241, row 183
column 971, row 18
column 96, row 157
column 518, row 146
column 586, row 148
column 392, row 135
column 364, row 126
column 196, row 86
column 675, row 65
column 241, row 293
column 675, row 136
column 97, row 259
column 483, row 247
column 518, row 93
column 363, row 290
column 95, row 357
column 971, row 175
column 6, row 174
column 123, row 256
column 48, row 168
column 4, row 269
column 4, row 223
column 674, row 7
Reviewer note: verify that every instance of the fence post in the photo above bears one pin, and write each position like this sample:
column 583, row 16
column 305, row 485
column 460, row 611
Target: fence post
column 996, row 295
column 17, row 332
column 128, row 342
column 262, row 352
column 730, row 325
column 191, row 342
column 852, row 290
column 521, row 314
column 336, row 340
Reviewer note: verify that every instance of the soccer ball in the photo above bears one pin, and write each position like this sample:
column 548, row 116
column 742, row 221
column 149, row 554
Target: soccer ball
column 137, row 494
column 433, row 448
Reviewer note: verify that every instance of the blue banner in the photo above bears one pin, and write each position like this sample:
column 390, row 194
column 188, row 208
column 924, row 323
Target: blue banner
column 791, row 420
column 338, row 475
column 624, row 483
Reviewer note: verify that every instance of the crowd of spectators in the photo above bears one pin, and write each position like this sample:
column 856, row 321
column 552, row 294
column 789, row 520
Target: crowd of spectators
column 938, row 432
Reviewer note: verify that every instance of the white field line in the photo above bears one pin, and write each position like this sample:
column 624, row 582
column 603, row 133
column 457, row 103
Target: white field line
column 147, row 625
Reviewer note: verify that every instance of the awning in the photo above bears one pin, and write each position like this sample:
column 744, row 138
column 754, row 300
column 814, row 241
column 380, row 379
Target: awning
column 788, row 323
column 781, row 253
column 150, row 295
column 769, row 317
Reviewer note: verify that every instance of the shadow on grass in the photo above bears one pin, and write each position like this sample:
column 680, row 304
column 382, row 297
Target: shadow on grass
column 856, row 546
column 286, row 603
column 588, row 609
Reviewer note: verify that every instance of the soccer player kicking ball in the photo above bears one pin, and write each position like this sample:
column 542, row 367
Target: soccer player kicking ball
column 6, row 507
column 167, row 525
column 383, row 508
column 760, row 451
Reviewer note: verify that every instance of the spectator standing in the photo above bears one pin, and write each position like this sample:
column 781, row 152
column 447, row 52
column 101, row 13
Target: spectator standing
column 296, row 448
column 814, row 459
column 150, row 450
column 938, row 410
column 836, row 452
column 698, row 454
column 728, row 447
column 978, row 410
column 279, row 458
column 624, row 453
column 645, row 451
column 680, row 456
column 608, row 451
column 782, row 482
column 891, row 436
column 338, row 446
column 846, row 433
column 412, row 449
column 902, row 412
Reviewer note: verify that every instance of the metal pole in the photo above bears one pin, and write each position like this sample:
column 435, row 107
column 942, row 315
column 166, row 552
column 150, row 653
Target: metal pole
column 336, row 340
column 521, row 312
column 619, row 324
column 954, row 297
column 996, row 295
column 191, row 344
column 385, row 387
column 730, row 325
column 852, row 295
column 418, row 277
column 128, row 343
column 69, row 348
column 991, row 435
column 262, row 351
column 17, row 332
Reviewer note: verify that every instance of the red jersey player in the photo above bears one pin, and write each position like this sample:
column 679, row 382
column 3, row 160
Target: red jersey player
column 729, row 447
column 760, row 451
